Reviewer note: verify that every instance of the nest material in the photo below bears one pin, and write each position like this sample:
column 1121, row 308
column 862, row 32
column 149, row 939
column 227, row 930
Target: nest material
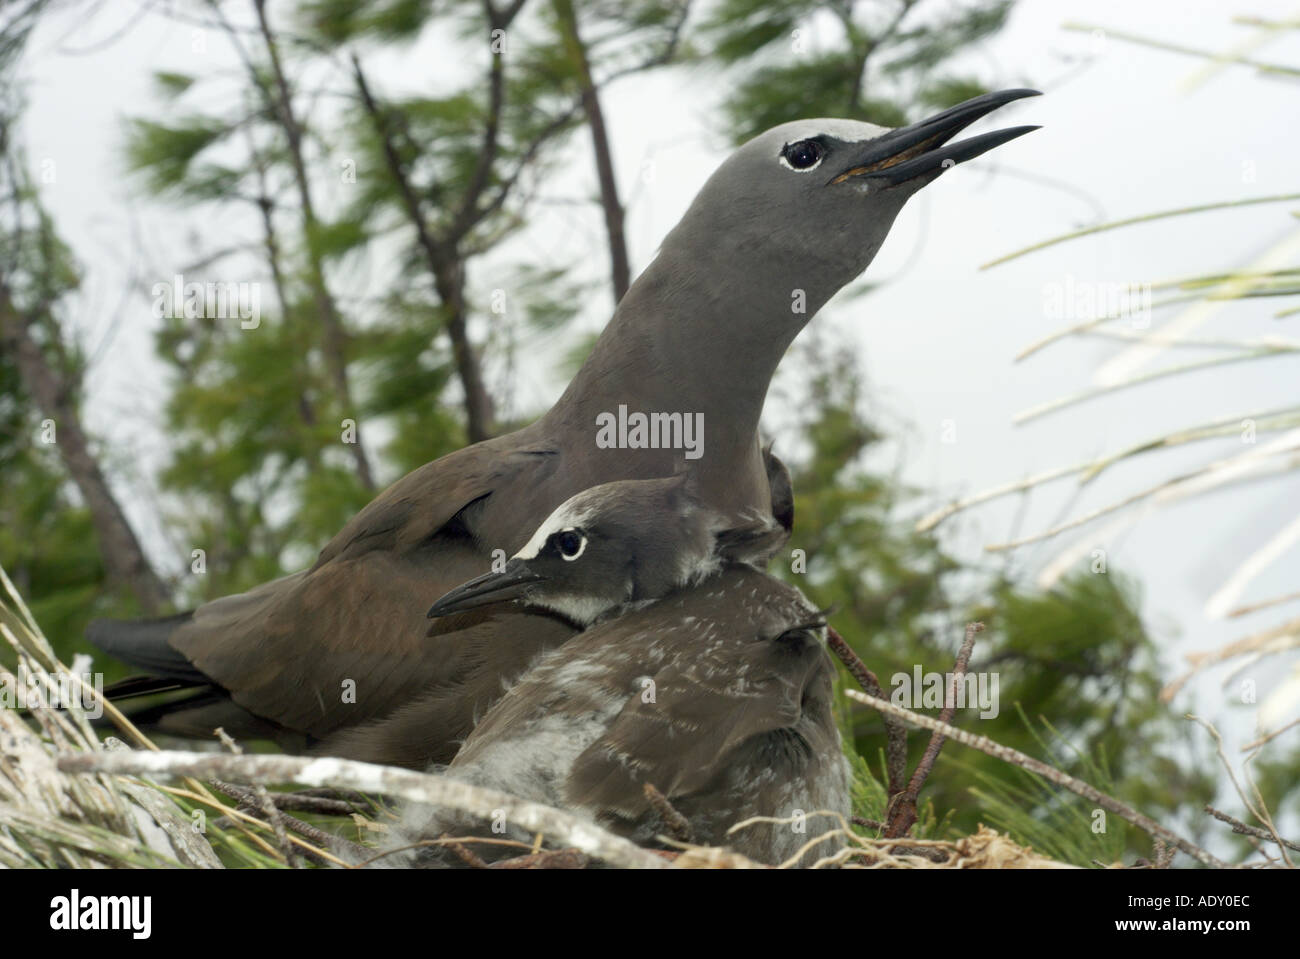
column 985, row 849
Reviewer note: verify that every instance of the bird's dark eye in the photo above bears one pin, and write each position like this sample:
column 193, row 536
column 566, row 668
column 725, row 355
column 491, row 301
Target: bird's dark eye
column 803, row 155
column 570, row 543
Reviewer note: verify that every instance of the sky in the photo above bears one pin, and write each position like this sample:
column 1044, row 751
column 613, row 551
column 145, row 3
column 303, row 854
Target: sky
column 1126, row 130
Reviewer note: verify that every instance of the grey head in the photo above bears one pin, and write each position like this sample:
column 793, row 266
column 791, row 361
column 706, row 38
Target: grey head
column 807, row 204
column 615, row 545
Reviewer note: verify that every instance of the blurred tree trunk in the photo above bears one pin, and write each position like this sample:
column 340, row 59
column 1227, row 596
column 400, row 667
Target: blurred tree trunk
column 53, row 394
column 620, row 270
column 480, row 415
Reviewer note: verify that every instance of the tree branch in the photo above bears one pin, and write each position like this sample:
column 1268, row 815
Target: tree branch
column 446, row 266
column 566, row 828
column 620, row 269
column 895, row 731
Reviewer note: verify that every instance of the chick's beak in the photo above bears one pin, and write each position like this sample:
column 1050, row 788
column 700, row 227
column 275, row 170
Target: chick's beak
column 510, row 583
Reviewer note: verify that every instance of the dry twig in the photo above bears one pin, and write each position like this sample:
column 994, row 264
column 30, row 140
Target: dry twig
column 677, row 825
column 895, row 732
column 1242, row 829
column 565, row 827
column 902, row 810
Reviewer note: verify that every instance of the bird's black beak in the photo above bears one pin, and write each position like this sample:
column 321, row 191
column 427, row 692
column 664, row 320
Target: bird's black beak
column 911, row 151
column 510, row 583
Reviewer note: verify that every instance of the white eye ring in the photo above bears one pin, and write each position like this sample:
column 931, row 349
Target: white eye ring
column 807, row 169
column 582, row 545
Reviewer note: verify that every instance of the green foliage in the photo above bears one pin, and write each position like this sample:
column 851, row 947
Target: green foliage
column 739, row 29
column 944, row 92
column 546, row 296
column 870, row 800
column 924, row 48
column 1056, row 822
column 1275, row 777
column 47, row 542
column 578, row 353
column 253, row 424
column 172, row 84
column 340, row 21
column 885, row 59
column 165, row 153
column 335, row 239
column 437, row 140
column 1078, row 655
column 617, row 38
column 815, row 88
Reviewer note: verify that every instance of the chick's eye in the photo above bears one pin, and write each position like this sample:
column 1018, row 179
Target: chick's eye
column 570, row 543
column 803, row 155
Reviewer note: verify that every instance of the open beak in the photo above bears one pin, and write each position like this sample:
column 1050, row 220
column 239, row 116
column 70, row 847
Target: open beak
column 512, row 582
column 912, row 151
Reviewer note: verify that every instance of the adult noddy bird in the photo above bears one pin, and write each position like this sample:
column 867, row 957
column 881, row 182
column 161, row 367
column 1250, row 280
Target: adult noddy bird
column 338, row 655
column 696, row 673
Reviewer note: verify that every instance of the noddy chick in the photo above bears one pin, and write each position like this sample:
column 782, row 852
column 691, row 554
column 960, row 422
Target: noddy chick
column 618, row 545
column 702, row 676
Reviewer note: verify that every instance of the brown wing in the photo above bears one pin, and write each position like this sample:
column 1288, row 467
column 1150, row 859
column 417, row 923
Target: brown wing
column 347, row 640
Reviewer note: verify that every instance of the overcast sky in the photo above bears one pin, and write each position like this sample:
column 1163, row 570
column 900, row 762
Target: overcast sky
column 1126, row 130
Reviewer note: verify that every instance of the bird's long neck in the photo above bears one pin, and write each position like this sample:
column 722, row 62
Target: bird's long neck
column 688, row 338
